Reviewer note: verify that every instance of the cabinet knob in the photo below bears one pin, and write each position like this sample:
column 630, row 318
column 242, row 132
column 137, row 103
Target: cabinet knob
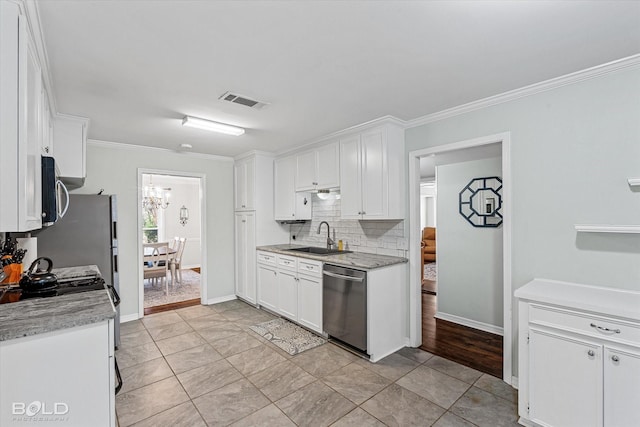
column 591, row 353
column 244, row 220
column 243, row 206
column 615, row 358
column 359, row 213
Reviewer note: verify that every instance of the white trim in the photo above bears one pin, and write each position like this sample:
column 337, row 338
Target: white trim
column 253, row 153
column 221, row 299
column 129, row 318
column 634, row 182
column 596, row 228
column 353, row 129
column 415, row 308
column 203, row 231
column 470, row 323
column 123, row 146
column 514, row 382
column 554, row 83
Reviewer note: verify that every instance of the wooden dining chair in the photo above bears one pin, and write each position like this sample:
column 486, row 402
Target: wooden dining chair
column 155, row 265
column 174, row 263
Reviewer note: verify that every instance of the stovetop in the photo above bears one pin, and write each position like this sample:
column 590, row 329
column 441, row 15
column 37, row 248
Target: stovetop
column 65, row 286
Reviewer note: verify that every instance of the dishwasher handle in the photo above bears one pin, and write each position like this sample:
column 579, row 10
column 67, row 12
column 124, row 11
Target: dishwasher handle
column 340, row 276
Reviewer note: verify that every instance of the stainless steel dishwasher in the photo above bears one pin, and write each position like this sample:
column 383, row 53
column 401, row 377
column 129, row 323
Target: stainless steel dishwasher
column 344, row 305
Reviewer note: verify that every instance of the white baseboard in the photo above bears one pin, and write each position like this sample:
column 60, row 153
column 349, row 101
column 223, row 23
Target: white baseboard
column 221, row 299
column 470, row 323
column 514, row 382
column 129, row 318
column 189, row 267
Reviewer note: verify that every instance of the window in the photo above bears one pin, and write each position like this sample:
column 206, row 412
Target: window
column 150, row 228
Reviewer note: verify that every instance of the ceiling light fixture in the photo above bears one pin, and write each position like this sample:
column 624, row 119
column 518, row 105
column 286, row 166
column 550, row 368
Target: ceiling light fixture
column 195, row 122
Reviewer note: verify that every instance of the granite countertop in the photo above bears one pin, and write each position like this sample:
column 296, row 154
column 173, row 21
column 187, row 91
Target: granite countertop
column 40, row 315
column 359, row 260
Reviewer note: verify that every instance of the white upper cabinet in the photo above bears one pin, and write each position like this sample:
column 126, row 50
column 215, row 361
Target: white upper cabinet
column 47, row 126
column 318, row 169
column 244, row 177
column 289, row 205
column 70, row 140
column 20, row 124
column 372, row 174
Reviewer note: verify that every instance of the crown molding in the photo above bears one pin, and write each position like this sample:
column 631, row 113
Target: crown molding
column 253, row 153
column 555, row 83
column 353, row 129
column 133, row 147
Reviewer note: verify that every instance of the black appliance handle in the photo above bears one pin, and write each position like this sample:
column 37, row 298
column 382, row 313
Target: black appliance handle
column 114, row 294
column 118, row 376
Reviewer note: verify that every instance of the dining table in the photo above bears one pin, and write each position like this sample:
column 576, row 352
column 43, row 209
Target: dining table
column 148, row 252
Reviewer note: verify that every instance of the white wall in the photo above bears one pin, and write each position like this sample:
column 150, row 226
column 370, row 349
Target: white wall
column 115, row 168
column 376, row 237
column 572, row 150
column 469, row 258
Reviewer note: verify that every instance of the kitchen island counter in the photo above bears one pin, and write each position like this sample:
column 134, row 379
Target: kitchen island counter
column 41, row 315
column 358, row 260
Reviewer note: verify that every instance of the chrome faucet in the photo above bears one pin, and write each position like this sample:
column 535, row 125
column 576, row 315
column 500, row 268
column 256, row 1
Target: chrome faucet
column 330, row 242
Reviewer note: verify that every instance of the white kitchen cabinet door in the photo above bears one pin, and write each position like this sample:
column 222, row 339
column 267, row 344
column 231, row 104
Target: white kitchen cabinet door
column 567, row 390
column 30, row 106
column 375, row 188
column 245, row 256
column 268, row 287
column 70, row 140
column 621, row 387
column 328, row 166
column 244, row 173
column 310, row 302
column 47, row 126
column 289, row 204
column 72, row 367
column 350, row 178
column 306, row 170
column 288, row 294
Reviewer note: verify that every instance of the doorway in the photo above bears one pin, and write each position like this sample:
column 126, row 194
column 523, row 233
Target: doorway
column 445, row 152
column 171, row 246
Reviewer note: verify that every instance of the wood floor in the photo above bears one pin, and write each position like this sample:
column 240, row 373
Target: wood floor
column 470, row 347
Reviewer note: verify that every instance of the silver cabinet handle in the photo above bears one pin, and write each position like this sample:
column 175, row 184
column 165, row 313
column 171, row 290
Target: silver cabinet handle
column 615, row 358
column 591, row 353
column 600, row 328
column 309, row 267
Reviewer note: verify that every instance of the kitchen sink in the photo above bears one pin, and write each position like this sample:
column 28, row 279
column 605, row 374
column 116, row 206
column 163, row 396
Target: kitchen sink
column 318, row 251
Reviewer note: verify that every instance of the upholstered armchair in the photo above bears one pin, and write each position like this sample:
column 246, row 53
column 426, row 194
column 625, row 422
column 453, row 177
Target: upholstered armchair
column 428, row 246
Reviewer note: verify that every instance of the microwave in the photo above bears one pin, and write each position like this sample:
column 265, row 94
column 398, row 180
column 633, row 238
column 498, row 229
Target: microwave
column 55, row 196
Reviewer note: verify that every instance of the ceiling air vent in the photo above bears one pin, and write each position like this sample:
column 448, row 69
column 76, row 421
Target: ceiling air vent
column 242, row 100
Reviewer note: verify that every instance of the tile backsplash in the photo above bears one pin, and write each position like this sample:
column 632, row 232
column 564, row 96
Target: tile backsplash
column 384, row 237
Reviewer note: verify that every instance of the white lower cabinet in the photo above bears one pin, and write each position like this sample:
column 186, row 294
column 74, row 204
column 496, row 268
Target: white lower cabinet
column 64, row 377
column 579, row 355
column 310, row 294
column 245, row 228
column 568, row 380
column 291, row 287
column 288, row 294
column 267, row 281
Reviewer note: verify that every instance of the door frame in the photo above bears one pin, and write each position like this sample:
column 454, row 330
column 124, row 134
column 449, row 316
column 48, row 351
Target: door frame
column 415, row 300
column 203, row 231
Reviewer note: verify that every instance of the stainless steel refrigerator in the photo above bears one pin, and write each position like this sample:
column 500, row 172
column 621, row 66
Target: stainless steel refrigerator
column 87, row 234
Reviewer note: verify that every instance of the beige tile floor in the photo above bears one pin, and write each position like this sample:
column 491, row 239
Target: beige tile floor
column 203, row 366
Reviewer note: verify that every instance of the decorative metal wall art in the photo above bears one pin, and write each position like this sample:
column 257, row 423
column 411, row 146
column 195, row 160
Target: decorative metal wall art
column 481, row 202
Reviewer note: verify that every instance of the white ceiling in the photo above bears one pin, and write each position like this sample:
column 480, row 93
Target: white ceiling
column 135, row 68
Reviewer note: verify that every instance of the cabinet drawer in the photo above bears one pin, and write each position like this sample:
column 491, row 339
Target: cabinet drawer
column 287, row 262
column 595, row 326
column 266, row 258
column 309, row 267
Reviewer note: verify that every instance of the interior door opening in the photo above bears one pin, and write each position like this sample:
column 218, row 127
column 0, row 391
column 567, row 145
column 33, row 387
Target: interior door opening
column 460, row 276
column 171, row 241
